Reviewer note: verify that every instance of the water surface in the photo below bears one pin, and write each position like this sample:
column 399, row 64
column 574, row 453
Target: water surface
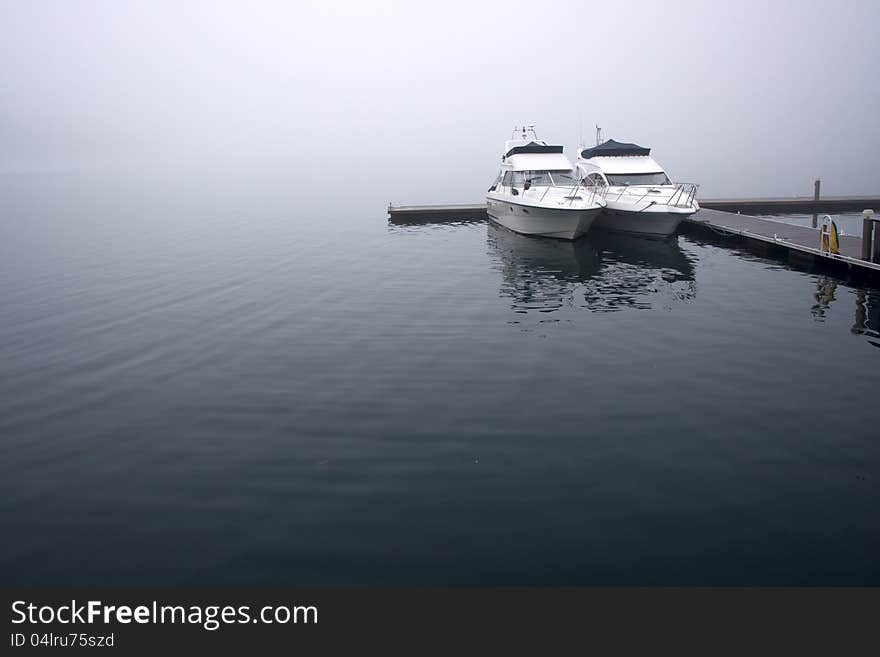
column 242, row 390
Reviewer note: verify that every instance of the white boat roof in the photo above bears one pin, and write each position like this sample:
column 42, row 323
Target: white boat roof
column 625, row 164
column 539, row 162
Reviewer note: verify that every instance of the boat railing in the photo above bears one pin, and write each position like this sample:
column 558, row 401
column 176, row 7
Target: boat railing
column 596, row 189
column 593, row 191
column 684, row 195
column 626, row 189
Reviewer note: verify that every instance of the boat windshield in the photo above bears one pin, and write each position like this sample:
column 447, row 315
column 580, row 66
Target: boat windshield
column 538, row 178
column 625, row 179
column 564, row 178
column 548, row 178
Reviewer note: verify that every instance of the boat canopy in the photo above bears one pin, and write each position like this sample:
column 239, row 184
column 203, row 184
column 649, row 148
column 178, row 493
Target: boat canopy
column 533, row 147
column 635, row 164
column 614, row 148
column 554, row 161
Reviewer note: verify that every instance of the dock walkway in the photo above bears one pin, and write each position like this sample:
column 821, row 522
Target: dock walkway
column 798, row 240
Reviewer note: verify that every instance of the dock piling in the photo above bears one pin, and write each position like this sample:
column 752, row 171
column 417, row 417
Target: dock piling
column 867, row 230
column 870, row 236
column 816, row 185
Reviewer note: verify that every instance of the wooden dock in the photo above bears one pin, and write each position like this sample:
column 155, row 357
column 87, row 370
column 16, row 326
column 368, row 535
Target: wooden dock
column 798, row 243
column 769, row 237
column 428, row 213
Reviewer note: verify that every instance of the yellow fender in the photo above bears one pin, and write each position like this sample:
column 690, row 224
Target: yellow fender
column 829, row 237
column 835, row 243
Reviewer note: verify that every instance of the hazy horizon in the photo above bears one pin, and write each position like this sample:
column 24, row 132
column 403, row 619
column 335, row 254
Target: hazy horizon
column 412, row 104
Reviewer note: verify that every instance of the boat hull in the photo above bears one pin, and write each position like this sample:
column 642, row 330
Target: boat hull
column 655, row 223
column 560, row 223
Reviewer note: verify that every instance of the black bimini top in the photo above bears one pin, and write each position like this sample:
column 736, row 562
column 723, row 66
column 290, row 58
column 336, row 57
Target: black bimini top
column 532, row 147
column 612, row 147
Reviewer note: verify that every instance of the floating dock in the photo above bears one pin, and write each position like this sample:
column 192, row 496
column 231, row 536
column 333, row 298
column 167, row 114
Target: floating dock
column 798, row 243
column 429, row 213
column 769, row 237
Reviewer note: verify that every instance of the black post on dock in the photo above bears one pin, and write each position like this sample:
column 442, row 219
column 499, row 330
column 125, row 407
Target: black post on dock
column 816, row 185
column 870, row 238
column 875, row 233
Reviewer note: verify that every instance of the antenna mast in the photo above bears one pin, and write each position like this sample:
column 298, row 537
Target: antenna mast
column 598, row 135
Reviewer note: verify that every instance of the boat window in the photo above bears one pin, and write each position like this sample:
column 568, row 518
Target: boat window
column 624, row 179
column 546, row 178
column 564, row 178
column 513, row 179
column 538, row 178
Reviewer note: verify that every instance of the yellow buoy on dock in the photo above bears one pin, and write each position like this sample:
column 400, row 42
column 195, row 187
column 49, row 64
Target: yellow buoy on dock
column 829, row 241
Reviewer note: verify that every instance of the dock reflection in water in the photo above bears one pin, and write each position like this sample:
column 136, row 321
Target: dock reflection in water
column 450, row 219
column 867, row 308
column 867, row 319
column 601, row 272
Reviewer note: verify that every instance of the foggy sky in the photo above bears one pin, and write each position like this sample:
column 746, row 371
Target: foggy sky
column 411, row 102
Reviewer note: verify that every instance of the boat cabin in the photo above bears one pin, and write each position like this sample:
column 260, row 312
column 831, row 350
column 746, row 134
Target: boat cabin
column 528, row 162
column 621, row 164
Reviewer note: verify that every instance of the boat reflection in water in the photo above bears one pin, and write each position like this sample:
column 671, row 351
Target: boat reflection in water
column 601, row 272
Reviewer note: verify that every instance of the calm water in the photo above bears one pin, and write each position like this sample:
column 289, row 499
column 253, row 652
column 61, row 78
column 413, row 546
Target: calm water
column 254, row 392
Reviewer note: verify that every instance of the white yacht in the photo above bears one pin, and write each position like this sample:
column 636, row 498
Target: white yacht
column 640, row 198
column 538, row 191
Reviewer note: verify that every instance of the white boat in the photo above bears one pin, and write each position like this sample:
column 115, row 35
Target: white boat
column 538, row 191
column 640, row 198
